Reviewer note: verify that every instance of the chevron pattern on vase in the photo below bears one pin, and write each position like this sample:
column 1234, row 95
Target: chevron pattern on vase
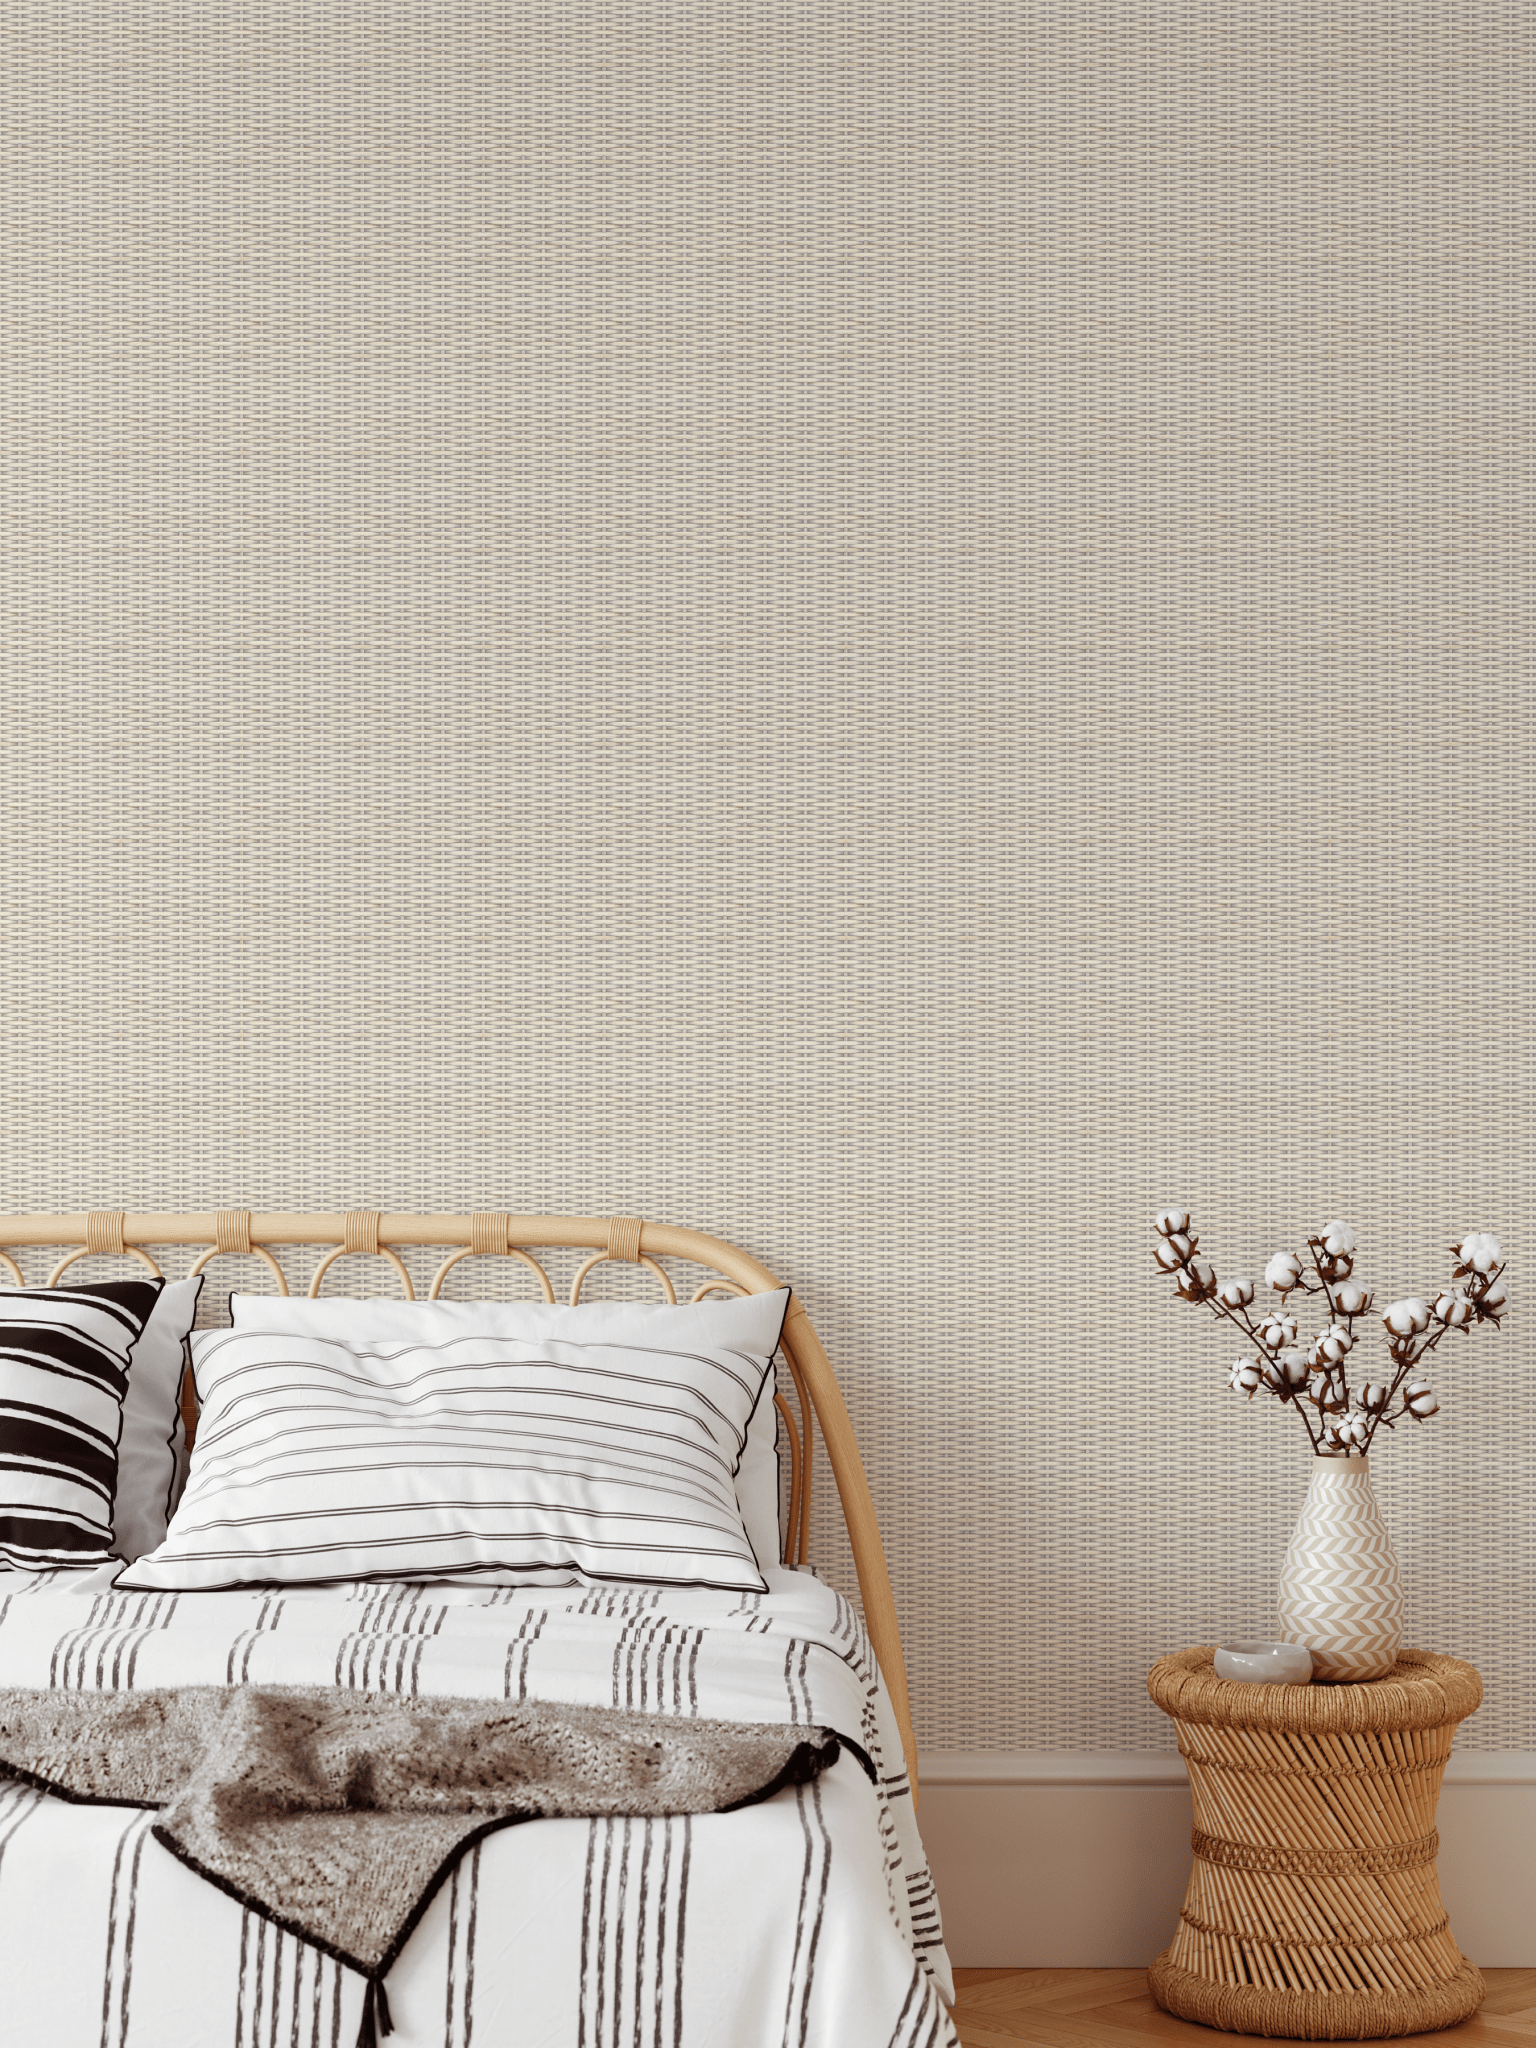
column 1340, row 1593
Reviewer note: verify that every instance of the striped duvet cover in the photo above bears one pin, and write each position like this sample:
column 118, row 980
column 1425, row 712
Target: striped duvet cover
column 808, row 1920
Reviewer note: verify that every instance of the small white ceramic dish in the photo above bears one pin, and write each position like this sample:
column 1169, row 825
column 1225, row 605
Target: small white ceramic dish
column 1265, row 1663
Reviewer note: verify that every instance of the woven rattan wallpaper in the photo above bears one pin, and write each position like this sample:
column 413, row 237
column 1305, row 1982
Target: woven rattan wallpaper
column 898, row 632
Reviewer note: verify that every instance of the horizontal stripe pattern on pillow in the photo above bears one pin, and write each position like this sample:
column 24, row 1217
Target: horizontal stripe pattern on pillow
column 64, row 1360
column 751, row 1323
column 509, row 1461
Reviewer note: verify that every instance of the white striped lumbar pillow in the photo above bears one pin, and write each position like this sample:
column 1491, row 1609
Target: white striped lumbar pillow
column 368, row 1443
column 651, row 1323
column 64, row 1354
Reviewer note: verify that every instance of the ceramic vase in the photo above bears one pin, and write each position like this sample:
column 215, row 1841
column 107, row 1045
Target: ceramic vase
column 1340, row 1593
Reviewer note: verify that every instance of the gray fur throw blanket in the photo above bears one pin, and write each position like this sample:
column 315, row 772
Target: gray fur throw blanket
column 338, row 1814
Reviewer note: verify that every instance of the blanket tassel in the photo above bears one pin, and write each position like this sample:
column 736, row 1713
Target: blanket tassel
column 376, row 2019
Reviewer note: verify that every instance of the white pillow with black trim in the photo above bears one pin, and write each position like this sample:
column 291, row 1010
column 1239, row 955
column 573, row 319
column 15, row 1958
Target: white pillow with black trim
column 389, row 1319
column 390, row 1440
column 65, row 1354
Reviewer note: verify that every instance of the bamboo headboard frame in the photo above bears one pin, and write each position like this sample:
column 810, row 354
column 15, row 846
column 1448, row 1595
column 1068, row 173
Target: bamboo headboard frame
column 367, row 1231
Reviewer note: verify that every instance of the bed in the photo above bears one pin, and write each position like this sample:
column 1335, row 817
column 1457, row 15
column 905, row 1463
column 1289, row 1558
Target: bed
column 808, row 1916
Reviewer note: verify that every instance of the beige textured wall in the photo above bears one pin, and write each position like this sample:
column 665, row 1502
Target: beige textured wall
column 900, row 633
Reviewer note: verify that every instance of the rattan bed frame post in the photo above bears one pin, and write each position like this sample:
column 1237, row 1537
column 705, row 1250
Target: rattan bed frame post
column 237, row 1232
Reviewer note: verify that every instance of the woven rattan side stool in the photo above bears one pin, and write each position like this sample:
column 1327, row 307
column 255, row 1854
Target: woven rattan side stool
column 1313, row 1911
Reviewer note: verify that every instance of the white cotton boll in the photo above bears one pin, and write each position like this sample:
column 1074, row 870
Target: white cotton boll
column 1171, row 1220
column 1419, row 1398
column 1178, row 1242
column 1406, row 1318
column 1338, row 1239
column 1236, row 1293
column 1373, row 1398
column 1480, row 1250
column 1454, row 1310
column 1277, row 1329
column 1496, row 1295
column 1294, row 1365
column 1244, row 1375
column 1351, row 1298
column 1197, row 1282
column 1283, row 1271
column 1333, row 1345
column 1166, row 1257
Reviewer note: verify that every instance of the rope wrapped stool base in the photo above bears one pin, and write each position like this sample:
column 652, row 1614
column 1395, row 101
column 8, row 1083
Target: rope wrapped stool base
column 1315, row 2015
column 1313, row 1911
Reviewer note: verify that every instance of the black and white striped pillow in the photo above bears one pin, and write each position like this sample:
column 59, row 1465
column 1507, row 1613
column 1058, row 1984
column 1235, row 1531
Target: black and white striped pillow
column 64, row 1354
column 547, row 1459
column 650, row 1323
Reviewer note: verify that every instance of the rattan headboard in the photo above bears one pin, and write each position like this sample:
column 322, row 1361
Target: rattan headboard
column 238, row 1232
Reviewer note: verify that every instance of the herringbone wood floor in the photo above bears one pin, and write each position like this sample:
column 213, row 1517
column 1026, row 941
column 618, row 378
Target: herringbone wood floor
column 1114, row 2009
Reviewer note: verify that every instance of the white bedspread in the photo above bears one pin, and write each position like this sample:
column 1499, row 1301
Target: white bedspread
column 808, row 1920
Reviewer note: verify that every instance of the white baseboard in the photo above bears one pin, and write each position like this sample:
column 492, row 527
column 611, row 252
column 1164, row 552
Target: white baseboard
column 1081, row 1860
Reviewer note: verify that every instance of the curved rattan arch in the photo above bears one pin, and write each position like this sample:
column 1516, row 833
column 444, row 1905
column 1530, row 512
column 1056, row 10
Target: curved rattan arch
column 602, row 1258
column 341, row 1251
column 811, row 1369
column 434, row 1292
column 257, row 1251
column 129, row 1251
